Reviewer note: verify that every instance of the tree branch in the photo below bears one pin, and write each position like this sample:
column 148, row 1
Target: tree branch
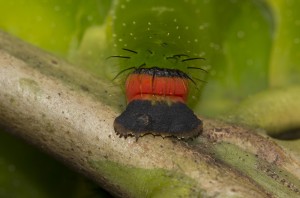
column 69, row 114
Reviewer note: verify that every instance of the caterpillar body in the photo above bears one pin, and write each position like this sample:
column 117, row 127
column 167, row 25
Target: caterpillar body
column 156, row 49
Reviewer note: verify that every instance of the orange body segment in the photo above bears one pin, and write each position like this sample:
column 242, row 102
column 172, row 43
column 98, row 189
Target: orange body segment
column 144, row 86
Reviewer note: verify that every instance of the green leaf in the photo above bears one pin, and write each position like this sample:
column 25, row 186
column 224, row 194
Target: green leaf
column 285, row 54
column 55, row 25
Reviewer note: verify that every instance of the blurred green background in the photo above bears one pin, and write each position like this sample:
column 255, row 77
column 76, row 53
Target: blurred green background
column 252, row 48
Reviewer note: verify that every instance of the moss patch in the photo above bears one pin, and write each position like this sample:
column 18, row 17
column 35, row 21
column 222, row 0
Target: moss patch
column 271, row 178
column 139, row 182
column 30, row 85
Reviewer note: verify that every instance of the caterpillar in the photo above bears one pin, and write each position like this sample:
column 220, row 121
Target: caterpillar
column 157, row 47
